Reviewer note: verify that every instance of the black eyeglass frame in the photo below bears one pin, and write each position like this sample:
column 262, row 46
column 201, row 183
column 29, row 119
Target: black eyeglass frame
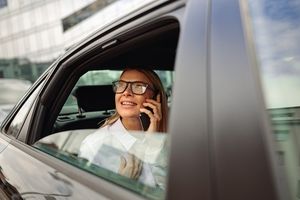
column 146, row 85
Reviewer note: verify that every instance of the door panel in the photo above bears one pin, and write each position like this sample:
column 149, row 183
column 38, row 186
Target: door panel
column 23, row 176
column 3, row 144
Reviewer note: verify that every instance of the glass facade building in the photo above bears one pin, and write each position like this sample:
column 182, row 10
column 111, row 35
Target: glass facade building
column 33, row 33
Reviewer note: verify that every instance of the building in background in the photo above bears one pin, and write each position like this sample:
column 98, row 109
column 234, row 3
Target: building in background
column 33, row 33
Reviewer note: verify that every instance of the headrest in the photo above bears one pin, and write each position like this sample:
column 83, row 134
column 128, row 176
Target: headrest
column 95, row 97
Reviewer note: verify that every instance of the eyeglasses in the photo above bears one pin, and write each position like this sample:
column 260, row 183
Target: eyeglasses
column 137, row 87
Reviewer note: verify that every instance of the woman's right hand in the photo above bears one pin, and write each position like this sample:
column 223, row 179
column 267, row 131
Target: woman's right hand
column 130, row 166
column 155, row 115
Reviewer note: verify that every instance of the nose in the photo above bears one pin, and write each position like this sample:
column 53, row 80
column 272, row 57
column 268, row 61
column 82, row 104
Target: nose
column 128, row 90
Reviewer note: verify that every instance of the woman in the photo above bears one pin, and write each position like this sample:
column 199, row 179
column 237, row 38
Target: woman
column 137, row 91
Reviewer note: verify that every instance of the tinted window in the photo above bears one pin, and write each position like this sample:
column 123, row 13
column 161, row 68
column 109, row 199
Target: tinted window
column 276, row 29
column 11, row 91
column 19, row 118
column 149, row 152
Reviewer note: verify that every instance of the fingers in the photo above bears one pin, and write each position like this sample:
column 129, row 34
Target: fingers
column 137, row 167
column 155, row 115
column 156, row 108
column 123, row 162
column 130, row 166
column 155, row 102
column 155, row 105
column 122, row 167
column 158, row 98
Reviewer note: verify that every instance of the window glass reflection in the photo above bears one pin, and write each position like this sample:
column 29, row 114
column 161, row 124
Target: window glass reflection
column 149, row 150
column 34, row 30
column 276, row 28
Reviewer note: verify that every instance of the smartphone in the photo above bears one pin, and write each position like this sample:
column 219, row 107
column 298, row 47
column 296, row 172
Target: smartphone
column 145, row 119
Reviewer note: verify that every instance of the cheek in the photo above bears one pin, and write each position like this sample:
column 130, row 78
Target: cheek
column 149, row 95
column 117, row 99
column 141, row 100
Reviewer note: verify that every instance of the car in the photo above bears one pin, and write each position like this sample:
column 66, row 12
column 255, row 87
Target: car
column 231, row 72
column 11, row 91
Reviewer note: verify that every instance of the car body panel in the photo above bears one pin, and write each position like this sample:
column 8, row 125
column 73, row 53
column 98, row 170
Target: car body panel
column 31, row 177
column 4, row 141
column 240, row 128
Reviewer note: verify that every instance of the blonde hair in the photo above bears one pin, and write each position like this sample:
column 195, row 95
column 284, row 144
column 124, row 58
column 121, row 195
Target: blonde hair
column 158, row 86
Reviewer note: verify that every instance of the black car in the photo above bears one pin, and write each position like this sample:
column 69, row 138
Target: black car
column 231, row 72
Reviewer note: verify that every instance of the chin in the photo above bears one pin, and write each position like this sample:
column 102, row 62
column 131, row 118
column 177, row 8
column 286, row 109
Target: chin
column 128, row 115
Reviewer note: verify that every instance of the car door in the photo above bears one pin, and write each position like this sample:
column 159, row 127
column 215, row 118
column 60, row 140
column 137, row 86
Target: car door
column 239, row 149
column 242, row 150
column 27, row 172
column 221, row 148
column 23, row 174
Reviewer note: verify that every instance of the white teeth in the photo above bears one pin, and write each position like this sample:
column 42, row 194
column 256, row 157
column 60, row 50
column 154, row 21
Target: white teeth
column 127, row 103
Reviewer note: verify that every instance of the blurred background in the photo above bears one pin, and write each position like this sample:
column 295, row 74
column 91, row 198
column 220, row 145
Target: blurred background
column 34, row 33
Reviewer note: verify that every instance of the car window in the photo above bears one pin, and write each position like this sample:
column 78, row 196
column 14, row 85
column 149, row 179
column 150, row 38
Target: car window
column 276, row 33
column 11, row 91
column 18, row 120
column 100, row 77
column 79, row 141
column 106, row 77
column 150, row 152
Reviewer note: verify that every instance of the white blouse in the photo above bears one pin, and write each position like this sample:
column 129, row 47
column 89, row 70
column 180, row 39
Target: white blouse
column 106, row 146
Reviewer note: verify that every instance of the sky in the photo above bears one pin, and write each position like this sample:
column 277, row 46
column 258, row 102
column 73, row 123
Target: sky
column 276, row 25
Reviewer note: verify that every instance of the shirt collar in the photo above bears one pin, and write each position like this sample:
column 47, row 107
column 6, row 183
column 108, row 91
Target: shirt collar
column 120, row 132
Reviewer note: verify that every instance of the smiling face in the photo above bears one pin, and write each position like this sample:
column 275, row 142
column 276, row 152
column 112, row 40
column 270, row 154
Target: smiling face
column 128, row 104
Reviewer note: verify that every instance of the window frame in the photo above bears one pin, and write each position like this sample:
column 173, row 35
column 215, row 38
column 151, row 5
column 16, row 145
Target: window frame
column 237, row 129
column 76, row 65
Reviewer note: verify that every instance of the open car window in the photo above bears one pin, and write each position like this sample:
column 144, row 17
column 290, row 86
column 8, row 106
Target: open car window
column 92, row 99
column 84, row 99
column 106, row 77
column 91, row 78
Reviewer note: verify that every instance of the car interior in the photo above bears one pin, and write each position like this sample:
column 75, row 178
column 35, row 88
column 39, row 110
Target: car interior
column 92, row 97
column 92, row 108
